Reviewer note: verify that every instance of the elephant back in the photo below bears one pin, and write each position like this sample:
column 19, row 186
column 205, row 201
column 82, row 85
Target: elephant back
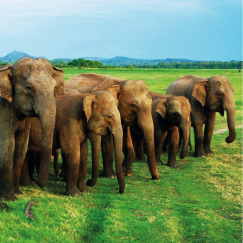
column 181, row 86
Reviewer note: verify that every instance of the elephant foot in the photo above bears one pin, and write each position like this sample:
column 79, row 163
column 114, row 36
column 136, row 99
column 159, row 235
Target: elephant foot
column 108, row 174
column 140, row 158
column 72, row 192
column 208, row 151
column 199, row 154
column 172, row 164
column 83, row 188
column 90, row 182
column 127, row 171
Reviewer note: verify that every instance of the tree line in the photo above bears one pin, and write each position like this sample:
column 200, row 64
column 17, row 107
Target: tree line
column 82, row 63
column 193, row 65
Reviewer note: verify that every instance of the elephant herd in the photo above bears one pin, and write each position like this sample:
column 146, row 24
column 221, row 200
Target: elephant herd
column 40, row 113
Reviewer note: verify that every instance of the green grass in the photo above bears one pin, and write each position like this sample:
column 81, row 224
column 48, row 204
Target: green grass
column 200, row 201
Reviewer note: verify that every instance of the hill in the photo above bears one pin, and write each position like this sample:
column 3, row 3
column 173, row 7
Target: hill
column 13, row 57
column 124, row 61
column 115, row 61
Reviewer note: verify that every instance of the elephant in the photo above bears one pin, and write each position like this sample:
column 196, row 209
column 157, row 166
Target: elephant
column 206, row 96
column 170, row 113
column 134, row 104
column 79, row 116
column 27, row 89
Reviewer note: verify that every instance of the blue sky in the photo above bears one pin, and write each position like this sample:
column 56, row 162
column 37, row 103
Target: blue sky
column 192, row 29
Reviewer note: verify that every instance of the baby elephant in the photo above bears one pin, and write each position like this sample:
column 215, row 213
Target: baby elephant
column 171, row 114
column 206, row 96
column 77, row 117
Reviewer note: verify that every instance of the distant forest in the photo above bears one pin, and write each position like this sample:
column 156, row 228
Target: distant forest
column 197, row 65
column 82, row 63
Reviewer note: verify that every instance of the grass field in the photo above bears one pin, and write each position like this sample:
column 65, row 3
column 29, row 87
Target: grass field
column 200, row 201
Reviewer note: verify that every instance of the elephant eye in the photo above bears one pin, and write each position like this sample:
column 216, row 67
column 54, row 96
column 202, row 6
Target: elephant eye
column 219, row 93
column 28, row 87
column 133, row 105
column 110, row 117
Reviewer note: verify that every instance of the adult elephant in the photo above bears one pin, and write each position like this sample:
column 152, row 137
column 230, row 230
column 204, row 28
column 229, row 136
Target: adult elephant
column 79, row 116
column 207, row 96
column 134, row 104
column 170, row 114
column 27, row 89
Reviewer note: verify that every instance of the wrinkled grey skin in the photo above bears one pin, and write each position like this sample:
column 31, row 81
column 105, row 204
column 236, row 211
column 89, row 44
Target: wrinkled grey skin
column 27, row 89
column 206, row 96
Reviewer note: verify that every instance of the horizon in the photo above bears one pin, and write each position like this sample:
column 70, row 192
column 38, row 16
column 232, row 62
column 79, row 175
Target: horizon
column 108, row 58
column 200, row 30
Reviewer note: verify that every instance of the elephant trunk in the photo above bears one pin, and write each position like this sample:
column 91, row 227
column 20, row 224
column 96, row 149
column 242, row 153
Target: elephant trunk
column 47, row 115
column 231, row 125
column 146, row 124
column 117, row 138
column 185, row 126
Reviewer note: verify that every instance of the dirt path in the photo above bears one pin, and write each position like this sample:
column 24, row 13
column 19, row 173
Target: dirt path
column 225, row 129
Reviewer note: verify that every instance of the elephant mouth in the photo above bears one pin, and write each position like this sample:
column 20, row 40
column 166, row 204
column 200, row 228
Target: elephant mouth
column 174, row 119
column 28, row 113
column 221, row 110
column 101, row 131
column 128, row 123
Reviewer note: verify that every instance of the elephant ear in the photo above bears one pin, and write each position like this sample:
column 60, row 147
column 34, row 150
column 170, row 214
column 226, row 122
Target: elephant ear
column 115, row 90
column 161, row 107
column 60, row 86
column 88, row 102
column 108, row 82
column 199, row 91
column 6, row 89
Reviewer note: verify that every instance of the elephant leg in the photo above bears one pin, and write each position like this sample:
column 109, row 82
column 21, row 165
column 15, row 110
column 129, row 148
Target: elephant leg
column 189, row 143
column 72, row 160
column 165, row 144
column 198, row 133
column 139, row 149
column 208, row 132
column 158, row 144
column 107, row 154
column 21, row 146
column 25, row 178
column 62, row 173
column 6, row 166
column 138, row 143
column 128, row 151
column 56, row 155
column 32, row 160
column 96, row 141
column 37, row 163
column 173, row 140
column 83, row 167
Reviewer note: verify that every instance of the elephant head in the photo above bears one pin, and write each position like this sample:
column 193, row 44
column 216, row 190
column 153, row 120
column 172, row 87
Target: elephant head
column 176, row 110
column 104, row 118
column 217, row 94
column 30, row 85
column 135, row 105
